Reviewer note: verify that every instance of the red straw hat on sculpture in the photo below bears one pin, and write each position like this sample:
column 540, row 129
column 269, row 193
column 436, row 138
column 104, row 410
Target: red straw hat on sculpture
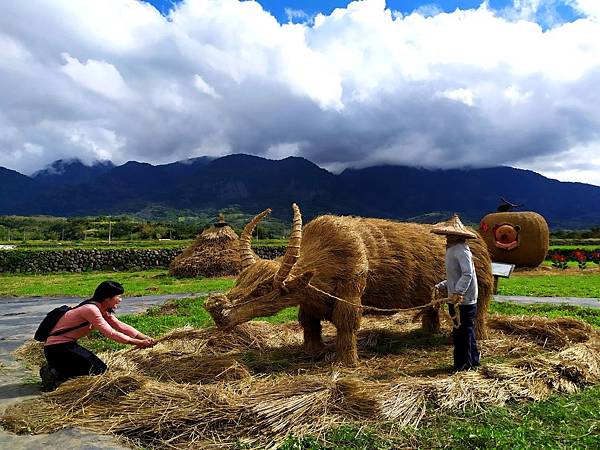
column 453, row 227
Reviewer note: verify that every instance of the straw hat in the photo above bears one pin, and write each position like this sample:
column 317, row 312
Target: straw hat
column 453, row 227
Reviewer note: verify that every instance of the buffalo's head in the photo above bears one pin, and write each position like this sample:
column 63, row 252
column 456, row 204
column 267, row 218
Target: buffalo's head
column 264, row 287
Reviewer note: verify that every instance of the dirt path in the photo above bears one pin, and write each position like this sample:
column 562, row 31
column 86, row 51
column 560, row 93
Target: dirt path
column 574, row 301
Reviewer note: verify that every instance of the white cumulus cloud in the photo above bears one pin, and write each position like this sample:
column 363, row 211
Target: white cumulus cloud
column 362, row 85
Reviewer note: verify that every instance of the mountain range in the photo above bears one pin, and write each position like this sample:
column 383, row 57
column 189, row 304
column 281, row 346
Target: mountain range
column 251, row 183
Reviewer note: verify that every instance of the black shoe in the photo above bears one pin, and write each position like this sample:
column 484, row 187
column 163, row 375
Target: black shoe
column 50, row 378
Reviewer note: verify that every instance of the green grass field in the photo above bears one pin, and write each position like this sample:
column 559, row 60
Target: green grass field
column 566, row 284
column 561, row 285
column 98, row 244
column 150, row 282
column 574, row 247
column 122, row 244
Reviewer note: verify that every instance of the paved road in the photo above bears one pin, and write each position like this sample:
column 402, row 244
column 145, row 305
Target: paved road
column 19, row 318
column 575, row 301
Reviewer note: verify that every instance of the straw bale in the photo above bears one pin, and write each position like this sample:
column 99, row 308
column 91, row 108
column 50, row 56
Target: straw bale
column 533, row 237
column 581, row 362
column 405, row 404
column 120, row 361
column 289, row 404
column 214, row 253
column 215, row 341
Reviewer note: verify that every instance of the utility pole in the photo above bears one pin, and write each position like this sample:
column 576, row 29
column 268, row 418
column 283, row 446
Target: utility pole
column 63, row 234
column 109, row 228
column 9, row 235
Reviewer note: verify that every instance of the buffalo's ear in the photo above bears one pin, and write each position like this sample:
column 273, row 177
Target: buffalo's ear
column 298, row 282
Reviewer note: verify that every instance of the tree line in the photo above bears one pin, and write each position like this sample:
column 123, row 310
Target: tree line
column 123, row 227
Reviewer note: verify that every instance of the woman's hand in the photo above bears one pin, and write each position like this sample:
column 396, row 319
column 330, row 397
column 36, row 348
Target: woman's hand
column 144, row 343
column 143, row 337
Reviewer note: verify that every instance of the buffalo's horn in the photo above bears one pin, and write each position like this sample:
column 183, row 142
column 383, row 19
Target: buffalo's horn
column 293, row 249
column 246, row 253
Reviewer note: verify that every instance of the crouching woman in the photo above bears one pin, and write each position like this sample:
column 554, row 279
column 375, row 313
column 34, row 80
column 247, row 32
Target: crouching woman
column 66, row 358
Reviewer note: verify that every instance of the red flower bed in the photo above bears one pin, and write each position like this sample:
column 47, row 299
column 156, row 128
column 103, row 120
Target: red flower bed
column 560, row 258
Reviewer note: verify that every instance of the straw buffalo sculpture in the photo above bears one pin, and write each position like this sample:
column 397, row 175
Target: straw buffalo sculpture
column 336, row 268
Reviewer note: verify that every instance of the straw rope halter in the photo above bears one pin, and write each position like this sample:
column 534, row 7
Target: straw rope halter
column 435, row 302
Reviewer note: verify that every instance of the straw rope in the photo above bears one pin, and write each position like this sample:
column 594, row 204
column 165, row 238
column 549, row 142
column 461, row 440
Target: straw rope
column 434, row 301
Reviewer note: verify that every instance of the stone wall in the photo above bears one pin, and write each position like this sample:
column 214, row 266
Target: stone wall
column 37, row 261
column 41, row 261
column 269, row 252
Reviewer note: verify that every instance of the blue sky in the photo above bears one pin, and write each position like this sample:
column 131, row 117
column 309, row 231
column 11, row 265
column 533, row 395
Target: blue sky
column 311, row 7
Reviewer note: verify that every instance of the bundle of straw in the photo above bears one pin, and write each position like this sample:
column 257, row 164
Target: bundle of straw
column 581, row 362
column 549, row 333
column 31, row 353
column 172, row 366
column 465, row 390
column 548, row 371
column 520, row 383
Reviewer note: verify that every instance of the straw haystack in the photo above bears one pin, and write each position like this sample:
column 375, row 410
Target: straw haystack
column 199, row 388
column 516, row 237
column 214, row 253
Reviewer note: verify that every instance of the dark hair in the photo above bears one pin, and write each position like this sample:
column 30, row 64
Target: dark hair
column 107, row 289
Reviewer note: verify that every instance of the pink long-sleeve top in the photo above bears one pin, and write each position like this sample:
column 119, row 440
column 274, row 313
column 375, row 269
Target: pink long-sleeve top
column 105, row 323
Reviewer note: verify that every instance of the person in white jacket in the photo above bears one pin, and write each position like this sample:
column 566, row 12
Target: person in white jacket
column 461, row 284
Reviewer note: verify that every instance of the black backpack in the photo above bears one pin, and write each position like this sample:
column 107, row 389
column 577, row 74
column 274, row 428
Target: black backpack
column 44, row 330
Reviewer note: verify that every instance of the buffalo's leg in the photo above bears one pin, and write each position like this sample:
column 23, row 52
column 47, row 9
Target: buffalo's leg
column 346, row 319
column 430, row 322
column 313, row 343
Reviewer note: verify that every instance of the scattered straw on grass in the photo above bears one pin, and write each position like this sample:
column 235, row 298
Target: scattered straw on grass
column 31, row 353
column 253, row 385
column 553, row 334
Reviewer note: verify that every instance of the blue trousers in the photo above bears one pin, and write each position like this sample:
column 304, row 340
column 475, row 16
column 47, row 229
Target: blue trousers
column 466, row 353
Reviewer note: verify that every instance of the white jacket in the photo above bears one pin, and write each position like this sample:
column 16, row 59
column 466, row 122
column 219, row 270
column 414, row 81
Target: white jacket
column 460, row 273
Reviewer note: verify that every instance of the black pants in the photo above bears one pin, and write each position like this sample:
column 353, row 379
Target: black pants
column 466, row 354
column 72, row 360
